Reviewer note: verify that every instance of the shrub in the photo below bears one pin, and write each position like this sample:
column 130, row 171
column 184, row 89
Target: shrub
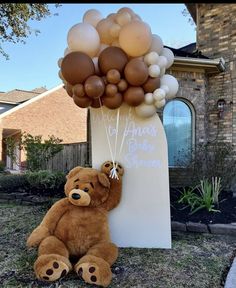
column 2, row 166
column 45, row 181
column 11, row 183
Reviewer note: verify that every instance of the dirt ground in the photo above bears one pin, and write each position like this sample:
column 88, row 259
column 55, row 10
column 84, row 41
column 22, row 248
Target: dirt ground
column 195, row 260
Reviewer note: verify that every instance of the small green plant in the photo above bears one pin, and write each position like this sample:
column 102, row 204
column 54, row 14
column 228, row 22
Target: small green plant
column 2, row 166
column 188, row 197
column 216, row 189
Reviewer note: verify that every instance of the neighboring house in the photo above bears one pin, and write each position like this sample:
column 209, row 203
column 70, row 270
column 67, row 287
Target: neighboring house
column 40, row 112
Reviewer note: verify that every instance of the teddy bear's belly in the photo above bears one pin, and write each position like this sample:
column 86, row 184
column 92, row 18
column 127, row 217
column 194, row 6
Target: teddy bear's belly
column 81, row 228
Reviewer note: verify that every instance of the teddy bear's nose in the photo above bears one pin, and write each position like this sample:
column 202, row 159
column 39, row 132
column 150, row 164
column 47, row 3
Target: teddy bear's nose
column 76, row 196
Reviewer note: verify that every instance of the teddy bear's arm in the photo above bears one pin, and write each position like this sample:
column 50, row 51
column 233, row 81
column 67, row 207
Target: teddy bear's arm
column 49, row 223
column 115, row 195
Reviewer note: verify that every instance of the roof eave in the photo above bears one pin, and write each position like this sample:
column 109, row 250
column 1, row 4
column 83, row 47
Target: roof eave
column 192, row 9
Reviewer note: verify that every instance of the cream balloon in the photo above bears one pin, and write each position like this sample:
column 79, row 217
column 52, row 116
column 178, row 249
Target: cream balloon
column 92, row 17
column 160, row 104
column 157, row 44
column 151, row 58
column 67, row 51
column 159, row 94
column 83, row 37
column 112, row 16
column 154, row 71
column 103, row 28
column 148, row 98
column 162, row 62
column 163, row 71
column 59, row 62
column 115, row 44
column 126, row 9
column 169, row 56
column 145, row 111
column 114, row 30
column 135, row 38
column 172, row 84
column 123, row 18
column 165, row 88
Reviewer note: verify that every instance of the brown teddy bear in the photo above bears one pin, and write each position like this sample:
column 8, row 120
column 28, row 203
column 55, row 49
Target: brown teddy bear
column 77, row 227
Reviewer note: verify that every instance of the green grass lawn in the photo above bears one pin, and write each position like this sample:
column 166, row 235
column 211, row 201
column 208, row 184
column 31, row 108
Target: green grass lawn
column 196, row 260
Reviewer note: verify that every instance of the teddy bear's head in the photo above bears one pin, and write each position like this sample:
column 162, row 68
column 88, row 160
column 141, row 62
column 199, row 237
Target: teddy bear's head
column 87, row 187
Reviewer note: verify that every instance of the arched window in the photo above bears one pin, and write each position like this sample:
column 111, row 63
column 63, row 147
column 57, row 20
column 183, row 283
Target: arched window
column 178, row 125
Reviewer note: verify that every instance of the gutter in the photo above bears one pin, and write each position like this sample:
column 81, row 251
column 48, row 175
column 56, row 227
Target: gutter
column 211, row 64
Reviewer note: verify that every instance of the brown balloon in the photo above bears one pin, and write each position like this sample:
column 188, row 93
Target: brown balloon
column 69, row 90
column 82, row 102
column 104, row 78
column 136, row 72
column 151, row 84
column 113, row 102
column 111, row 90
column 96, row 103
column 112, row 58
column 122, row 85
column 78, row 90
column 134, row 96
column 94, row 86
column 113, row 76
column 76, row 67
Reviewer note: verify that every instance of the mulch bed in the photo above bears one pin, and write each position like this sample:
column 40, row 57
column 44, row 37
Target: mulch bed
column 227, row 207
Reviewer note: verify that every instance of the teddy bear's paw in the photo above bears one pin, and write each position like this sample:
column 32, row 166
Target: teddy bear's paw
column 52, row 271
column 108, row 166
column 95, row 274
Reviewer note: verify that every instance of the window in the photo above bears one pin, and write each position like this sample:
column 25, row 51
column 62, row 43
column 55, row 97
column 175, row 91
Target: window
column 178, row 125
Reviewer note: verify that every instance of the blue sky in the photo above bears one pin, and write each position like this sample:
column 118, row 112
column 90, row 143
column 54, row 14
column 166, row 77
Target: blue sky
column 34, row 64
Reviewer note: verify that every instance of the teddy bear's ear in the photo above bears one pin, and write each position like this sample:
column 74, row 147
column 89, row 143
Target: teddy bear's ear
column 73, row 172
column 102, row 178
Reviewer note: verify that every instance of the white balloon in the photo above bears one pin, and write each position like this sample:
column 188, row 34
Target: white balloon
column 165, row 88
column 160, row 104
column 145, row 111
column 151, row 58
column 157, row 44
column 148, row 98
column 84, row 37
column 163, row 71
column 154, row 70
column 169, row 56
column 92, row 17
column 59, row 62
column 172, row 84
column 162, row 62
column 95, row 62
column 159, row 94
column 67, row 51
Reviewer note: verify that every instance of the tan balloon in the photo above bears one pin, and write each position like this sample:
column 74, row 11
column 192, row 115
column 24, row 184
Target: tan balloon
column 134, row 96
column 122, row 85
column 115, row 44
column 123, row 18
column 127, row 10
column 92, row 17
column 78, row 90
column 115, row 30
column 103, row 28
column 82, row 102
column 112, row 16
column 135, row 38
column 136, row 72
column 151, row 84
column 69, row 90
column 111, row 90
column 59, row 62
column 113, row 76
column 113, row 102
column 94, row 86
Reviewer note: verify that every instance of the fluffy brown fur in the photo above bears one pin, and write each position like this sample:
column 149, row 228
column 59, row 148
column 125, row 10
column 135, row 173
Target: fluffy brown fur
column 77, row 226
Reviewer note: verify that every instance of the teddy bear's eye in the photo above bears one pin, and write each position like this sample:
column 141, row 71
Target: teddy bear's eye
column 86, row 189
column 107, row 165
column 76, row 186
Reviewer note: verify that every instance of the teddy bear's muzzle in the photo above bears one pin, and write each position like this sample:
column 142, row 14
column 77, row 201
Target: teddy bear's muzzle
column 79, row 197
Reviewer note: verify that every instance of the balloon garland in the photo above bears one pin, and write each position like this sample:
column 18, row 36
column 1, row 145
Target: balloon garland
column 117, row 59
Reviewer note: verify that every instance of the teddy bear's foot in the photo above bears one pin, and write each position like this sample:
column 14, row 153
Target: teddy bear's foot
column 49, row 268
column 94, row 270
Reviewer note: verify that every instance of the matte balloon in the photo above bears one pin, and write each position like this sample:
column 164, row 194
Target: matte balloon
column 67, row 51
column 159, row 94
column 60, row 75
column 103, row 28
column 135, row 38
column 136, row 17
column 102, row 47
column 94, row 86
column 111, row 90
column 123, row 18
column 78, row 90
column 160, row 104
column 145, row 110
column 122, row 85
column 92, row 17
column 59, row 62
column 151, row 58
column 172, row 84
column 70, row 65
column 82, row 102
column 112, row 16
column 113, row 102
column 157, row 44
column 112, row 58
column 151, row 84
column 169, row 56
column 126, row 9
column 149, row 98
column 69, row 90
column 84, row 37
column 136, row 72
column 115, row 44
column 134, row 96
column 154, row 70
column 162, row 62
column 114, row 30
column 113, row 76
column 165, row 88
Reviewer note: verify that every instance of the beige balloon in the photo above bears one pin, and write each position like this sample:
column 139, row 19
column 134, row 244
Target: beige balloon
column 135, row 38
column 92, row 17
column 123, row 18
column 115, row 44
column 59, row 62
column 103, row 28
column 115, row 30
column 157, row 44
column 126, row 9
